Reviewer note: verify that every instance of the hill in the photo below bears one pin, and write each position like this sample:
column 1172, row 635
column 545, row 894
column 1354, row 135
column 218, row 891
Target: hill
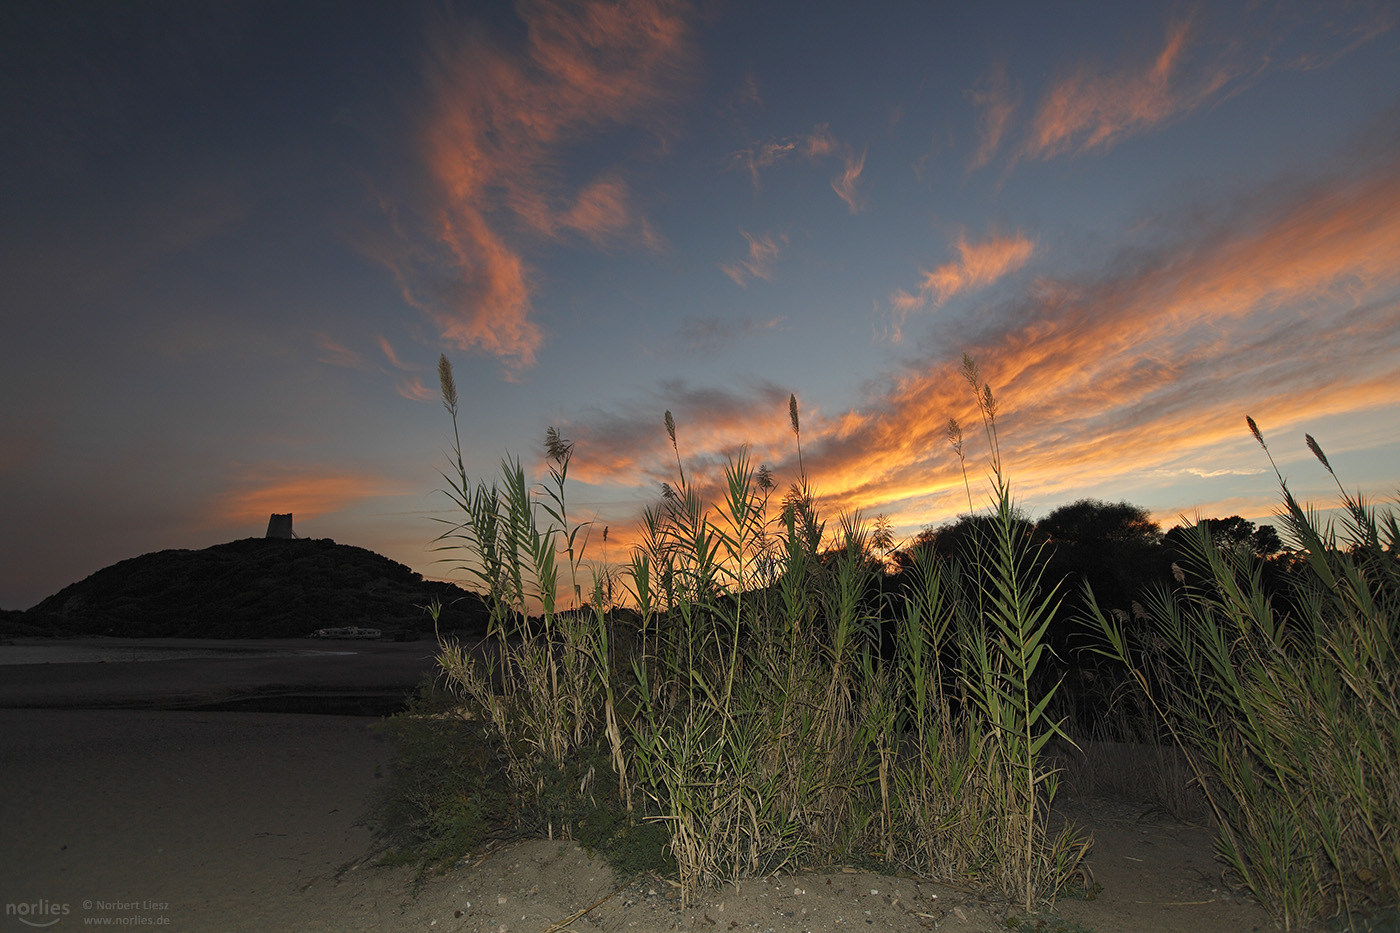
column 253, row 588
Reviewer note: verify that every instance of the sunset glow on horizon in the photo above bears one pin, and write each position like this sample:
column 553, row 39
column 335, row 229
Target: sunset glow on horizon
column 236, row 239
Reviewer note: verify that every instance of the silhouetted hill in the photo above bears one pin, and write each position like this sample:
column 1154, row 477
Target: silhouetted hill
column 253, row 588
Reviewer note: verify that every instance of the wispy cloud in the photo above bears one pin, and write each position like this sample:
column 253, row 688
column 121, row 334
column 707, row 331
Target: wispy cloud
column 334, row 353
column 818, row 144
column 996, row 100
column 712, row 334
column 1293, row 316
column 747, row 93
column 764, row 250
column 1289, row 311
column 763, row 155
column 602, row 211
column 501, row 121
column 1088, row 110
column 306, row 493
column 1345, row 28
column 409, row 386
column 388, row 350
column 413, row 389
column 978, row 265
column 845, row 184
column 620, row 447
column 1229, row 471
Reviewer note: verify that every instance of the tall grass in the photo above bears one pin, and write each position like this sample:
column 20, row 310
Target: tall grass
column 537, row 678
column 747, row 706
column 1288, row 707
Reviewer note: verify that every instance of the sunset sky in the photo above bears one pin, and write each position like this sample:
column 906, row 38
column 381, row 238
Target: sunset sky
column 235, row 237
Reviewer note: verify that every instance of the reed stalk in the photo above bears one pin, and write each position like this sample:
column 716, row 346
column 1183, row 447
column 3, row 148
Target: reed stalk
column 750, row 709
column 1290, row 717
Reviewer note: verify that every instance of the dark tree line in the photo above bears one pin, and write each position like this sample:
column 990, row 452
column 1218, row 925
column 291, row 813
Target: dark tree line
column 1116, row 548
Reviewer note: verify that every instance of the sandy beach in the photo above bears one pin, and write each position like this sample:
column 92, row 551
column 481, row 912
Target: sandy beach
column 130, row 790
column 191, row 821
column 133, row 813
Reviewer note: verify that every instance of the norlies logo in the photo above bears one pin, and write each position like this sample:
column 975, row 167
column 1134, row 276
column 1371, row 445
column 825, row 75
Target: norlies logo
column 41, row 913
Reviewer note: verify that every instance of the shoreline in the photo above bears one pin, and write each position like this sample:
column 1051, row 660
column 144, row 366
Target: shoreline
column 264, row 675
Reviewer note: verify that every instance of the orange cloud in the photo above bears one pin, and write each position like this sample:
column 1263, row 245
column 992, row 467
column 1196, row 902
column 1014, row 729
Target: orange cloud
column 487, row 304
column 389, row 353
column 845, row 184
column 337, row 354
column 764, row 251
column 307, row 495
column 413, row 389
column 1138, row 377
column 1296, row 316
column 978, row 265
column 500, row 120
column 601, row 211
column 1087, row 111
column 997, row 101
column 621, row 448
column 410, row 387
column 1202, row 59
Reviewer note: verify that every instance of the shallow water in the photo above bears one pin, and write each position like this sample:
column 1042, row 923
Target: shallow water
column 96, row 654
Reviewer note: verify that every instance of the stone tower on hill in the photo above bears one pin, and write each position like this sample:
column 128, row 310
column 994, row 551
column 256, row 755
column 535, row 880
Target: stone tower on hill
column 280, row 526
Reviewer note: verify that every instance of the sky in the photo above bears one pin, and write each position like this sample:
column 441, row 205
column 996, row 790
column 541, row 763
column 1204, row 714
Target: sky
column 236, row 237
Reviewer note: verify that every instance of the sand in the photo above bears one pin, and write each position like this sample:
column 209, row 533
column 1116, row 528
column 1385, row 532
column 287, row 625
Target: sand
column 192, row 821
column 189, row 819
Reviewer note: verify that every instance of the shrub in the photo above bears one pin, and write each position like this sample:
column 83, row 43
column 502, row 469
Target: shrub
column 1290, row 720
